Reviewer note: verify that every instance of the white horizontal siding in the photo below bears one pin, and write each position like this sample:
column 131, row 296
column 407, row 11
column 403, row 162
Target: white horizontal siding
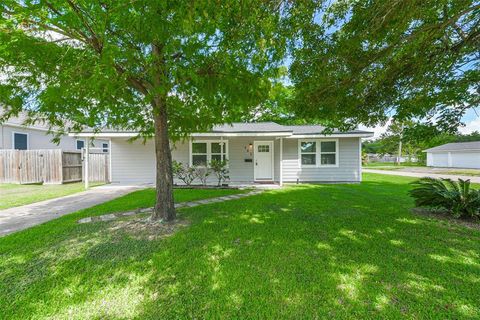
column 134, row 162
column 39, row 139
column 347, row 170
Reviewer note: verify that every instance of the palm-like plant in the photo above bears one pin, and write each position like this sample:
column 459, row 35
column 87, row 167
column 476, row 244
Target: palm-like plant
column 456, row 197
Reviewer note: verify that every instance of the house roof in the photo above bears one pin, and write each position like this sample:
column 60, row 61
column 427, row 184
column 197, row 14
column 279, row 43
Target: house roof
column 457, row 146
column 251, row 129
column 19, row 122
column 316, row 129
column 239, row 127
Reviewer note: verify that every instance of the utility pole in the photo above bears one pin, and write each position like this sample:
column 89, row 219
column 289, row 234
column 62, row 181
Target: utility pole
column 400, row 146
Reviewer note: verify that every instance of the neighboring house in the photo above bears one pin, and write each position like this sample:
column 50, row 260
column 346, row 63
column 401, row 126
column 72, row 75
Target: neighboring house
column 455, row 155
column 256, row 152
column 15, row 135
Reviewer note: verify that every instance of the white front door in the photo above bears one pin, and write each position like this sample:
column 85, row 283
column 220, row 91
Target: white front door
column 263, row 160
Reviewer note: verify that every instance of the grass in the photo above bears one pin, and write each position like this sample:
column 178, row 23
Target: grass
column 309, row 251
column 14, row 195
column 391, row 165
column 463, row 172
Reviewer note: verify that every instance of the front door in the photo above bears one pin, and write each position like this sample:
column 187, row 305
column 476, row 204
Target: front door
column 263, row 160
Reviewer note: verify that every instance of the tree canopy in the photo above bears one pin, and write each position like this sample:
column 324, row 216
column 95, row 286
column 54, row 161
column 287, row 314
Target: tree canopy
column 415, row 138
column 163, row 68
column 365, row 61
column 103, row 62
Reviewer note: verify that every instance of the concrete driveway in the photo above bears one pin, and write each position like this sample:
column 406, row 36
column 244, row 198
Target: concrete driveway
column 23, row 217
column 473, row 179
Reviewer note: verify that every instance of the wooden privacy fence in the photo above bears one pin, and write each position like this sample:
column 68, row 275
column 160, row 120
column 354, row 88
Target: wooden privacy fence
column 51, row 166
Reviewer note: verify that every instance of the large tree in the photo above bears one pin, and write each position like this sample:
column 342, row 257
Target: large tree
column 164, row 68
column 365, row 61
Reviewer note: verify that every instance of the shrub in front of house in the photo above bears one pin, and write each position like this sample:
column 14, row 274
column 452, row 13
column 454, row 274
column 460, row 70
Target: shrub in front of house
column 202, row 173
column 184, row 173
column 220, row 169
column 458, row 198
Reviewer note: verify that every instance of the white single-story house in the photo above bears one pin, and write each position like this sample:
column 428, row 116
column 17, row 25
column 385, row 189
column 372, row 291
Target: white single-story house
column 264, row 152
column 15, row 134
column 455, row 155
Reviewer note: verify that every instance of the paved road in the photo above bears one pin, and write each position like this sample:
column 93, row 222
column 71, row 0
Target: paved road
column 19, row 218
column 423, row 174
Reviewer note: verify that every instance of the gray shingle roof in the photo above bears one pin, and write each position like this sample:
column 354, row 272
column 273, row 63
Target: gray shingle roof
column 275, row 127
column 251, row 127
column 457, row 146
column 317, row 129
column 259, row 127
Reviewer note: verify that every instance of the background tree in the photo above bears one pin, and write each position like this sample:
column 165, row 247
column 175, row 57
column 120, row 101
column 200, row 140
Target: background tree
column 416, row 138
column 164, row 68
column 366, row 61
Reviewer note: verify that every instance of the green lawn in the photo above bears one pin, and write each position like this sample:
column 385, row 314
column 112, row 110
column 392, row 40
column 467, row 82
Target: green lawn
column 14, row 195
column 464, row 172
column 308, row 251
column 390, row 165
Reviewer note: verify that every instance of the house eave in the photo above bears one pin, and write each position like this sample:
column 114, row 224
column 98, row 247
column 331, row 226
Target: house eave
column 242, row 134
column 287, row 135
column 25, row 127
column 103, row 134
column 333, row 135
column 456, row 150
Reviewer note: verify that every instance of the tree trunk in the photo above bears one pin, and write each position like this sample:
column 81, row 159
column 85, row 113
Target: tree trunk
column 164, row 206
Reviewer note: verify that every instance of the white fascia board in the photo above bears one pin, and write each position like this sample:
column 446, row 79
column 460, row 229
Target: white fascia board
column 104, row 134
column 339, row 135
column 214, row 134
column 242, row 134
column 456, row 150
column 287, row 135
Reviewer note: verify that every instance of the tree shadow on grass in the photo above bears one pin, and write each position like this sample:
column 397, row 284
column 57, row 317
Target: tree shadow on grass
column 316, row 251
column 341, row 251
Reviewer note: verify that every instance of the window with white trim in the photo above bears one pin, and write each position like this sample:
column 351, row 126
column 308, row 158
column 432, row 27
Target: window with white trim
column 205, row 151
column 308, row 150
column 328, row 153
column 318, row 153
column 105, row 147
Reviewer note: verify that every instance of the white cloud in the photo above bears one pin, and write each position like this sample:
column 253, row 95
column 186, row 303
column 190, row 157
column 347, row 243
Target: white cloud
column 470, row 126
column 377, row 130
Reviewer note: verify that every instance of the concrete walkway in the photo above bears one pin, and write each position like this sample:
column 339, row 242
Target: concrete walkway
column 190, row 204
column 19, row 218
column 473, row 179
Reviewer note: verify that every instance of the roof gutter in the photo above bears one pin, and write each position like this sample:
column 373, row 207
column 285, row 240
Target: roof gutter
column 334, row 135
column 450, row 150
column 287, row 135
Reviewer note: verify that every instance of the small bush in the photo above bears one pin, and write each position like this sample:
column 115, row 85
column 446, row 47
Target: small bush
column 457, row 197
column 184, row 173
column 220, row 169
column 202, row 173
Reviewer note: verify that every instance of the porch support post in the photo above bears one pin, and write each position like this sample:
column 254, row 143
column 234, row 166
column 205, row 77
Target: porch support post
column 281, row 162
column 221, row 147
column 85, row 173
column 110, row 160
